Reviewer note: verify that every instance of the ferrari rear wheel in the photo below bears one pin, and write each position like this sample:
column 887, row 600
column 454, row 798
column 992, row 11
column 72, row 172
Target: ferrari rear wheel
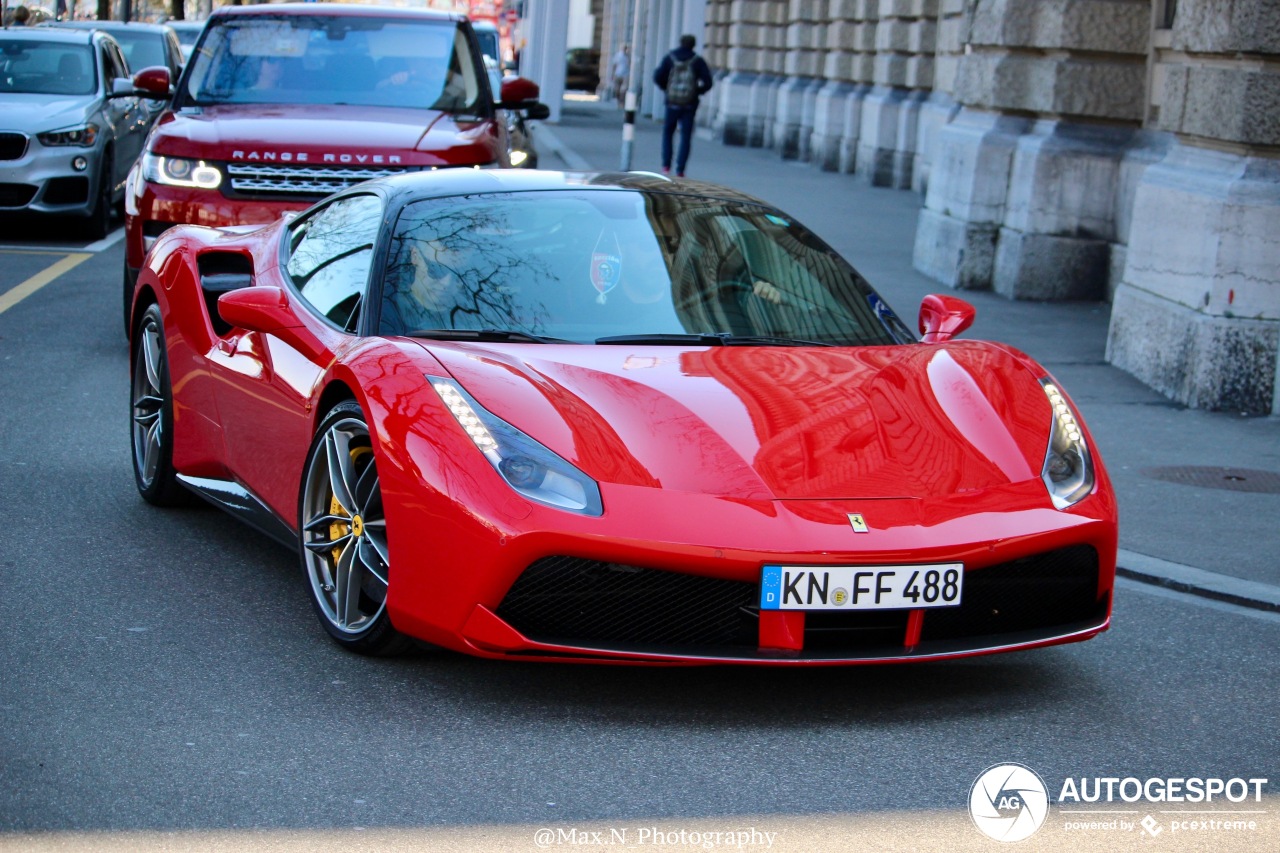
column 344, row 535
column 151, row 421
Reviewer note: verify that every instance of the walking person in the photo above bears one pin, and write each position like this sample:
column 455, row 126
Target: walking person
column 620, row 72
column 684, row 76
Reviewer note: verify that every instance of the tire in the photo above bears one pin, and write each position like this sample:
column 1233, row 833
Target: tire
column 99, row 222
column 151, row 417
column 343, row 536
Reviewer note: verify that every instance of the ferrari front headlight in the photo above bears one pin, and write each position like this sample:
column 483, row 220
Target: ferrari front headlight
column 1068, row 467
column 527, row 466
column 180, row 172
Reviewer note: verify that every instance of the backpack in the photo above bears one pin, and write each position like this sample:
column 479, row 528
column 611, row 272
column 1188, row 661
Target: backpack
column 682, row 83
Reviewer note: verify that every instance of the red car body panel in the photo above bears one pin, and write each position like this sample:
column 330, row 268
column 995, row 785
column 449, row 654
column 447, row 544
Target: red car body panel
column 711, row 461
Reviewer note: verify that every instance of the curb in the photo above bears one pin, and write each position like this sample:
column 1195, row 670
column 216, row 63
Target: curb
column 1188, row 579
column 545, row 138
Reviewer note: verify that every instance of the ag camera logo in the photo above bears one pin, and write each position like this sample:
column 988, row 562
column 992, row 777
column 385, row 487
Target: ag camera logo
column 1008, row 802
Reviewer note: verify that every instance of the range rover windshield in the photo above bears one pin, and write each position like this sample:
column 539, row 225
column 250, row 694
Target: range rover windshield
column 324, row 59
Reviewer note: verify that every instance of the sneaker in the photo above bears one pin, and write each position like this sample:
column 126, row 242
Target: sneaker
column 666, row 170
column 679, row 174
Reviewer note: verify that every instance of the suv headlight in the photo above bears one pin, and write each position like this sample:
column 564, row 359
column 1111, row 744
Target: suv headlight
column 531, row 469
column 180, row 172
column 83, row 136
column 1068, row 467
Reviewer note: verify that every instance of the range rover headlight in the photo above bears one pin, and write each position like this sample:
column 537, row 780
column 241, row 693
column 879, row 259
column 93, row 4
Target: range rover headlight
column 180, row 172
column 83, row 136
column 1068, row 467
column 528, row 467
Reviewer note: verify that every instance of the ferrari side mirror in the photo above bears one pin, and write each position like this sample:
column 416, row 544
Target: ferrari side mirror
column 256, row 309
column 943, row 317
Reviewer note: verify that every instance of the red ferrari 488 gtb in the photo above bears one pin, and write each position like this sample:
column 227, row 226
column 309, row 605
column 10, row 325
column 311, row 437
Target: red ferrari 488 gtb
column 613, row 418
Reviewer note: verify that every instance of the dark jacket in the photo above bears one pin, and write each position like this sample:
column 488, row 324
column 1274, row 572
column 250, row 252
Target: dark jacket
column 680, row 54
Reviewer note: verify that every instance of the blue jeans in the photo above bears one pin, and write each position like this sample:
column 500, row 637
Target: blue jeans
column 682, row 116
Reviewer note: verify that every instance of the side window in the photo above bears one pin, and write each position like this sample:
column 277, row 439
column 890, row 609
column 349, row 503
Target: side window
column 115, row 64
column 330, row 255
column 104, row 60
column 175, row 54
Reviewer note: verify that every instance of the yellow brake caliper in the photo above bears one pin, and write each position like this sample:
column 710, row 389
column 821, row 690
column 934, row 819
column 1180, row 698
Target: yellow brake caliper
column 338, row 529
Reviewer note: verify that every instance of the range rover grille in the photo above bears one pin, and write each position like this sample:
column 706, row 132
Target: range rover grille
column 273, row 178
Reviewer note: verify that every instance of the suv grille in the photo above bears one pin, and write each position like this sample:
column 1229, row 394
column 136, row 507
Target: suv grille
column 12, row 146
column 257, row 179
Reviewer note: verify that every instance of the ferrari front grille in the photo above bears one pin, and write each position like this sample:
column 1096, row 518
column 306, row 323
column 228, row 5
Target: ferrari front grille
column 276, row 179
column 578, row 601
column 1046, row 590
column 12, row 146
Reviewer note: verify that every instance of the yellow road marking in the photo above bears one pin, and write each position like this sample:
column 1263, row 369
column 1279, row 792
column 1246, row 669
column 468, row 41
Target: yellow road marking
column 12, row 297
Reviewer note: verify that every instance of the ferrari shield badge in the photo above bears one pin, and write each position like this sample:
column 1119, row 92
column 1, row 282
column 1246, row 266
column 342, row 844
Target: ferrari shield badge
column 606, row 265
column 857, row 523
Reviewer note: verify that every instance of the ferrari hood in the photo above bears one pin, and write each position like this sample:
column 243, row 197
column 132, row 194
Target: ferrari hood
column 317, row 135
column 772, row 423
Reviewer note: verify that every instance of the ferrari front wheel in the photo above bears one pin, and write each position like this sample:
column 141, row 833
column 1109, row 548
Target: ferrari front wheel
column 344, row 535
column 151, row 427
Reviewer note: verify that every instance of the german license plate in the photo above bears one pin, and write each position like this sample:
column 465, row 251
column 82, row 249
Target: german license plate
column 860, row 587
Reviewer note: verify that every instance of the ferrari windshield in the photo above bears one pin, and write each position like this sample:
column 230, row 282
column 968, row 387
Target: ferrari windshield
column 635, row 267
column 46, row 67
column 327, row 59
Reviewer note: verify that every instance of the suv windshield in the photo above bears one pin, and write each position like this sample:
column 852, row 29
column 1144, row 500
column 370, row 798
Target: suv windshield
column 324, row 59
column 593, row 265
column 46, row 68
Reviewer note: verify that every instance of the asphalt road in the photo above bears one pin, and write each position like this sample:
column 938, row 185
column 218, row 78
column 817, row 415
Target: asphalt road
column 163, row 672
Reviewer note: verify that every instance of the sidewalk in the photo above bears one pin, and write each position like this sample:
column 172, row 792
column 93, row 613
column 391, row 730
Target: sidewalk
column 1199, row 491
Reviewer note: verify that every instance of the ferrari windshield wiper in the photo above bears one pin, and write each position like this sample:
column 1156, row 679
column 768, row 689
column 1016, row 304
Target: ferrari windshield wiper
column 718, row 339
column 489, row 335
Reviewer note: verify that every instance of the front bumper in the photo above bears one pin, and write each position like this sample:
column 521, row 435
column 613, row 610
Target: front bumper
column 659, row 580
column 43, row 180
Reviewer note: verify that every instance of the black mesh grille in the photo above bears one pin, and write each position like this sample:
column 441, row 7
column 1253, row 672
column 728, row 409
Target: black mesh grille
column 1056, row 588
column 590, row 603
column 12, row 146
column 16, row 195
column 585, row 601
column 67, row 191
column 828, row 630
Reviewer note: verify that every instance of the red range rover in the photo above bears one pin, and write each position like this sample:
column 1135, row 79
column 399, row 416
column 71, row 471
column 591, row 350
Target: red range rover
column 282, row 105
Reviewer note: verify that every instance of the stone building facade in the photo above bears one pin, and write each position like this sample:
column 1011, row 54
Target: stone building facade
column 1122, row 150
